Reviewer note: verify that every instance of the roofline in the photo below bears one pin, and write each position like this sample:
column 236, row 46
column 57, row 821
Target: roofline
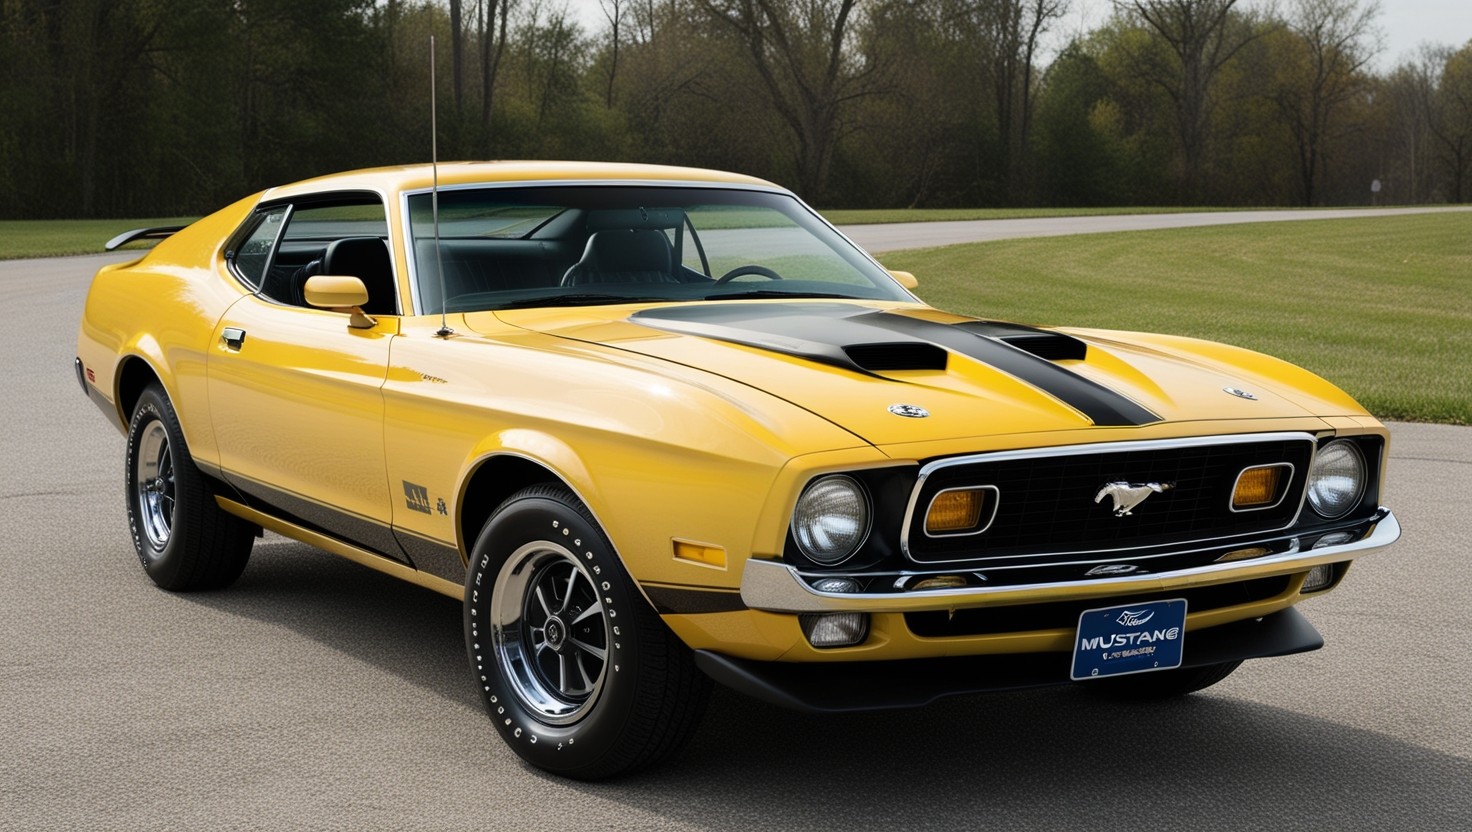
column 451, row 174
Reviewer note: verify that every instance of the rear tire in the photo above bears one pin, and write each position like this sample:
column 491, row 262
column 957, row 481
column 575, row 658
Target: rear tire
column 1160, row 684
column 183, row 538
column 578, row 673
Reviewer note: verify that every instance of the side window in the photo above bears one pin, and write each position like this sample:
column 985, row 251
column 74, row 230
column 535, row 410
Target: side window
column 339, row 237
column 251, row 259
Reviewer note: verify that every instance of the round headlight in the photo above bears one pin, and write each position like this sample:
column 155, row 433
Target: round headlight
column 831, row 519
column 1337, row 479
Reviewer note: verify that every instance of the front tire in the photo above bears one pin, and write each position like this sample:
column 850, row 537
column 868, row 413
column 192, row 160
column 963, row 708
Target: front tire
column 577, row 672
column 183, row 538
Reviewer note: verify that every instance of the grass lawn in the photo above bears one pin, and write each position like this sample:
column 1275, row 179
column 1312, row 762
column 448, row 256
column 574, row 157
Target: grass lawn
column 55, row 238
column 888, row 215
column 1381, row 306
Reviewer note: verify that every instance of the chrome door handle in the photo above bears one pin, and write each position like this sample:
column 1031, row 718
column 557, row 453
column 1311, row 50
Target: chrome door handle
column 234, row 337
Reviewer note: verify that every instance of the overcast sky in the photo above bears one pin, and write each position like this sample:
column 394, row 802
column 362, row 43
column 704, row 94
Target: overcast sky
column 1405, row 23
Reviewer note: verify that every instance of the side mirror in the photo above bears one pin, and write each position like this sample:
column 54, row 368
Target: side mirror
column 339, row 294
column 905, row 279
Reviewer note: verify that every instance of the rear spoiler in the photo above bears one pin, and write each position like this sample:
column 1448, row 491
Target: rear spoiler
column 142, row 234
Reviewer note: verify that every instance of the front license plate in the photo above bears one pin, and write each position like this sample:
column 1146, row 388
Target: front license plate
column 1134, row 638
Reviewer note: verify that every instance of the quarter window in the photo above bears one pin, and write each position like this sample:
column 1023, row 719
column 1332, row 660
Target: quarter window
column 253, row 256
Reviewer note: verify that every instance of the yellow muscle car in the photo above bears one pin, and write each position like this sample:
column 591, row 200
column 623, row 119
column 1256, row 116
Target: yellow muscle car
column 658, row 426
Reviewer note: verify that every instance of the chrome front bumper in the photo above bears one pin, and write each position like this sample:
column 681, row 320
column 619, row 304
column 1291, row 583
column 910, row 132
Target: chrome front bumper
column 776, row 587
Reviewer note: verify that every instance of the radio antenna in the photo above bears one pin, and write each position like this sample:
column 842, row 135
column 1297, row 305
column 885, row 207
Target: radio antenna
column 434, row 193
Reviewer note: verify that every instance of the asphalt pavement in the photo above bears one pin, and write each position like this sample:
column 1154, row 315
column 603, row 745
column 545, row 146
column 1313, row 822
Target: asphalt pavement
column 900, row 235
column 316, row 694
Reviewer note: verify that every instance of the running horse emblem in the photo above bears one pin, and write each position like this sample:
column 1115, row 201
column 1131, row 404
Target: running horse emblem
column 1127, row 496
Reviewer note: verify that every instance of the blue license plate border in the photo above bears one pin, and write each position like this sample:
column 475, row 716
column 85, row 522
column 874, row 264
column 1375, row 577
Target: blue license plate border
column 1092, row 654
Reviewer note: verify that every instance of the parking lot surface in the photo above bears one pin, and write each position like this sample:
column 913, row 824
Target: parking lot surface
column 317, row 694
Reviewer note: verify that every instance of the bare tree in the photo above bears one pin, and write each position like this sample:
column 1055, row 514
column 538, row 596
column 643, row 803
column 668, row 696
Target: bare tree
column 1201, row 36
column 801, row 50
column 457, row 52
column 1451, row 119
column 492, row 49
column 614, row 11
column 1006, row 32
column 1332, row 42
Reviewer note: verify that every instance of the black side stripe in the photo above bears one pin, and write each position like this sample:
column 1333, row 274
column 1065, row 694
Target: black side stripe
column 670, row 600
column 1103, row 406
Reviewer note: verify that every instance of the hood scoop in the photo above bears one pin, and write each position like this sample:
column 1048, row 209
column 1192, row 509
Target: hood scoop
column 872, row 341
column 913, row 355
column 1053, row 346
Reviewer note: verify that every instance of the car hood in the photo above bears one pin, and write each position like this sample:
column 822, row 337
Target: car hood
column 900, row 373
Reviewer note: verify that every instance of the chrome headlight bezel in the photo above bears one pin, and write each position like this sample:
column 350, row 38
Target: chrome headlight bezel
column 803, row 527
column 1319, row 504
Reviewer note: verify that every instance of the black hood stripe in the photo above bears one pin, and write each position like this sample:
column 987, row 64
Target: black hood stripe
column 821, row 331
column 1103, row 406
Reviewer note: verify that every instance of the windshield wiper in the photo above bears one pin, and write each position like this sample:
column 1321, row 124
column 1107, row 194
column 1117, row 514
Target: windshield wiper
column 771, row 293
column 577, row 300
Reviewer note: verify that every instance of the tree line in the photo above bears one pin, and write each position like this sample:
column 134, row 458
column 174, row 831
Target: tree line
column 163, row 107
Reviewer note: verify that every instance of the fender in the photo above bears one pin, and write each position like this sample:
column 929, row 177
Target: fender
column 539, row 449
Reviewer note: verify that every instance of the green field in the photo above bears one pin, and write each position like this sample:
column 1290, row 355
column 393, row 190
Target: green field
column 56, row 238
column 1380, row 306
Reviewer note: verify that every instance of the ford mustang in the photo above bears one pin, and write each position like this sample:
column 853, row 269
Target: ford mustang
column 662, row 426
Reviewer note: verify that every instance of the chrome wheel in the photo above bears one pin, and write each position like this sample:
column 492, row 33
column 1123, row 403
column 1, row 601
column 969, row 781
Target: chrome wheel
column 154, row 478
column 550, row 632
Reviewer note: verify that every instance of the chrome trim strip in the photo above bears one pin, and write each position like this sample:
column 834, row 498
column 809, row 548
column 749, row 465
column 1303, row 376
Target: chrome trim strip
column 1231, row 500
column 776, row 587
column 1094, row 448
column 996, row 504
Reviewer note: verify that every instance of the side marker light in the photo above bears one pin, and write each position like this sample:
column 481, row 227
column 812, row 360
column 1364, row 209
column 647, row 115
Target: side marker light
column 700, row 553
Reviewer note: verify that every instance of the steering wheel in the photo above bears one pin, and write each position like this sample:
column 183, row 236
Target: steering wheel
column 749, row 269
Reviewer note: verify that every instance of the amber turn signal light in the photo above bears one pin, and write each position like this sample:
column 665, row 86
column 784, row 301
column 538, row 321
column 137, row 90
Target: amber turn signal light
column 1257, row 487
column 954, row 511
column 701, row 553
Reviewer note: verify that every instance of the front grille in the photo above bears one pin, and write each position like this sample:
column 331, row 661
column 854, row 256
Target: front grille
column 1063, row 615
column 1047, row 503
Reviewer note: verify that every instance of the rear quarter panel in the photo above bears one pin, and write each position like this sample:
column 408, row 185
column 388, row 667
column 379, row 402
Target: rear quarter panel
column 162, row 309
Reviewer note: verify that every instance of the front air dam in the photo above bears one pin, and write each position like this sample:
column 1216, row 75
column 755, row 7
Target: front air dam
column 847, row 687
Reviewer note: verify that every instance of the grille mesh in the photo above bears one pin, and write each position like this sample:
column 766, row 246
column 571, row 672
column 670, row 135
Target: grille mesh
column 1047, row 504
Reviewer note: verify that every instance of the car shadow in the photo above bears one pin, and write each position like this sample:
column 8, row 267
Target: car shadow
column 1046, row 759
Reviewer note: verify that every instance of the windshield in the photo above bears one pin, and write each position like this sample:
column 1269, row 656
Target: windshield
column 559, row 246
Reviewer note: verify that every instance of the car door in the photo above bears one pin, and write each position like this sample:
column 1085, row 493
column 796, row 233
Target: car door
column 295, row 392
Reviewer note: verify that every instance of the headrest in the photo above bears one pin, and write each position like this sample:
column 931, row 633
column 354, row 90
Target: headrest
column 629, row 251
column 361, row 257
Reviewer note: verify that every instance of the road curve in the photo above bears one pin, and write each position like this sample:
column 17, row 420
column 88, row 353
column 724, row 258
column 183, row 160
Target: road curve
column 901, row 235
column 316, row 694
